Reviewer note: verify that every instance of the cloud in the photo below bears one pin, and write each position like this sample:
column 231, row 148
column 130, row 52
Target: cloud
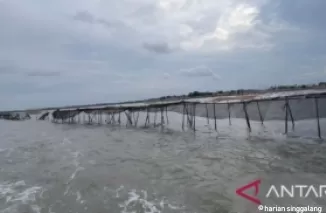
column 200, row 71
column 105, row 45
column 88, row 18
column 166, row 75
column 159, row 47
column 84, row 16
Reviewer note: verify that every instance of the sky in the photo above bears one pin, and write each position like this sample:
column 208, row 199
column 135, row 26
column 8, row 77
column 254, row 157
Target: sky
column 67, row 52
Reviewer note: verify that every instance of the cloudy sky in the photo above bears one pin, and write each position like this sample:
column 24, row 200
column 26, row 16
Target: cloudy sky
column 88, row 51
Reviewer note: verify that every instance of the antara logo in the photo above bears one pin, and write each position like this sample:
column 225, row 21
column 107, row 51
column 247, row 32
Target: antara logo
column 302, row 191
column 241, row 191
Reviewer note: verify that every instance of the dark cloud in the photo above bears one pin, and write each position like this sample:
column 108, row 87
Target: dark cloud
column 84, row 16
column 87, row 17
column 308, row 15
column 43, row 74
column 200, row 71
column 105, row 23
column 7, row 70
column 159, row 47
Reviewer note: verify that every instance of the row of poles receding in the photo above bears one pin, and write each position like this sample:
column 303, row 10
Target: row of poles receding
column 188, row 115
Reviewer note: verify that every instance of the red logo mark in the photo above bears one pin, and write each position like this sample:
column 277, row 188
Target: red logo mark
column 254, row 199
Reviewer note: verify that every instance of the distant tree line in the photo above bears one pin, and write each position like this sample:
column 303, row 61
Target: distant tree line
column 296, row 86
column 245, row 91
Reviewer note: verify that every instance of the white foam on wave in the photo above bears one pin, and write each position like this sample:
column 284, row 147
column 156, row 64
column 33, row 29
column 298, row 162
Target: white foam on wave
column 78, row 169
column 36, row 208
column 118, row 190
column 139, row 199
column 8, row 151
column 17, row 193
column 26, row 195
column 76, row 156
column 66, row 191
column 79, row 198
column 66, row 141
column 50, row 210
column 76, row 163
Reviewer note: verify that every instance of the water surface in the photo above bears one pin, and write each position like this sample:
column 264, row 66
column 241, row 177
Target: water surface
column 56, row 168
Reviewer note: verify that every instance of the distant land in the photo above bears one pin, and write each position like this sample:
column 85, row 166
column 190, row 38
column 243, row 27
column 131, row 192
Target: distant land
column 198, row 94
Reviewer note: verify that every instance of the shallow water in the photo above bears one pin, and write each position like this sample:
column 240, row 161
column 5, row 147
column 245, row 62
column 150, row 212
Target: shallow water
column 55, row 168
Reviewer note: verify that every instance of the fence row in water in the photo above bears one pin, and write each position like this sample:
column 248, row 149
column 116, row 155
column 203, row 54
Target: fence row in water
column 289, row 108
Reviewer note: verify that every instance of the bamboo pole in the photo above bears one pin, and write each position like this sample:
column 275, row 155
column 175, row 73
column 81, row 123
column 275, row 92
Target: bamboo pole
column 136, row 122
column 129, row 118
column 286, row 116
column 214, row 117
column 317, row 117
column 260, row 115
column 166, row 114
column 183, row 116
column 113, row 117
column 194, row 116
column 155, row 117
column 246, row 115
column 207, row 113
column 146, row 116
column 291, row 116
column 189, row 122
column 162, row 117
column 186, row 109
column 229, row 114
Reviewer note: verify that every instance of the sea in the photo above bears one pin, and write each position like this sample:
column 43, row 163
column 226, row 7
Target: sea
column 48, row 167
